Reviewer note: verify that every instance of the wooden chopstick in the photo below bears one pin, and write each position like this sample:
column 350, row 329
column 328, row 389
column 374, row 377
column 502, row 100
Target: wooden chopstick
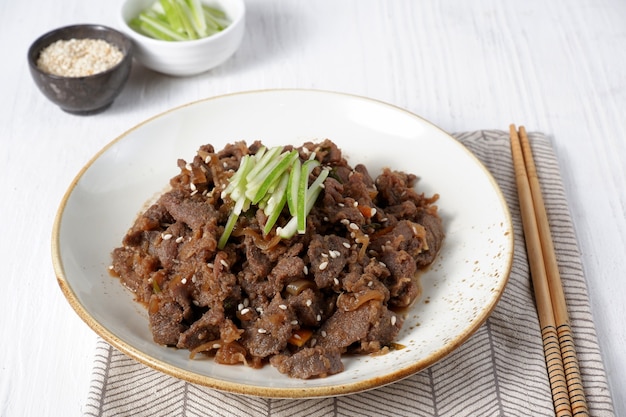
column 561, row 359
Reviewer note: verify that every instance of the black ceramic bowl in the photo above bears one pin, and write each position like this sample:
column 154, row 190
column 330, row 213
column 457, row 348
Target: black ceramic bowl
column 89, row 94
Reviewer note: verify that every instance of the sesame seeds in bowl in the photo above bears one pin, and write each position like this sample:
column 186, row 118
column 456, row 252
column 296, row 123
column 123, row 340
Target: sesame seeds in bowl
column 79, row 57
column 81, row 68
column 189, row 57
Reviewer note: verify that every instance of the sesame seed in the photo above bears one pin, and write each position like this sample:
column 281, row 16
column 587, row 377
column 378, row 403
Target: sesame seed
column 382, row 264
column 341, row 205
column 166, row 236
column 369, row 284
column 336, row 281
column 207, row 160
column 294, row 322
column 196, row 303
column 305, row 269
column 313, row 342
column 262, row 331
column 216, row 346
column 210, row 265
column 244, row 311
column 188, row 166
column 259, row 310
column 326, row 219
column 393, row 320
column 297, row 336
column 79, row 57
column 225, row 164
column 372, row 212
column 183, row 281
column 356, row 204
column 335, row 254
column 282, row 307
column 323, row 265
column 240, row 306
column 179, row 239
column 224, row 263
column 246, row 302
column 353, row 226
column 324, row 333
column 324, row 255
column 308, row 303
column 345, row 221
column 193, row 278
column 346, row 245
column 193, row 186
column 194, row 192
column 111, row 267
column 318, row 318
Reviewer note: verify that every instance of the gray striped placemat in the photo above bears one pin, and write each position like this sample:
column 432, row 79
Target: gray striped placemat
column 499, row 371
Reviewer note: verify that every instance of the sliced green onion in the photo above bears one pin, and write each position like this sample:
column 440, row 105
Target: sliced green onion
column 228, row 229
column 159, row 27
column 292, row 187
column 179, row 20
column 184, row 15
column 303, row 186
column 262, row 161
column 311, row 194
column 270, row 175
column 276, row 203
column 271, row 179
column 168, row 14
column 197, row 17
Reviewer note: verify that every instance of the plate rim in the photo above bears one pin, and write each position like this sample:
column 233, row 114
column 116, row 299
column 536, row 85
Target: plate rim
column 267, row 391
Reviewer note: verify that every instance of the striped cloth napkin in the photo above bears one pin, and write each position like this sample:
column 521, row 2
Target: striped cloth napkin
column 499, row 371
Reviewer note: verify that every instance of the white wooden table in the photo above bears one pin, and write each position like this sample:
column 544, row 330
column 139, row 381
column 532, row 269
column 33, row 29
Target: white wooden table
column 558, row 67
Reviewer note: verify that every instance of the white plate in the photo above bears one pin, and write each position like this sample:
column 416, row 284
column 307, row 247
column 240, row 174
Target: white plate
column 459, row 291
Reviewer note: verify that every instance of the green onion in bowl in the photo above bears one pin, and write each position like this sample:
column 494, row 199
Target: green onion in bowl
column 179, row 20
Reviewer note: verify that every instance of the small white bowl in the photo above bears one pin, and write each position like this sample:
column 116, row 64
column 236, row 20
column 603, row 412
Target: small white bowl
column 184, row 58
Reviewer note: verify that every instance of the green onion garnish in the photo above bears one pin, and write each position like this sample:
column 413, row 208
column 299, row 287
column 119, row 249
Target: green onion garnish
column 272, row 179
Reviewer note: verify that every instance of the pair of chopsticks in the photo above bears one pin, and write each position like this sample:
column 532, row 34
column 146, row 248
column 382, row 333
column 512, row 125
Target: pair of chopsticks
column 558, row 343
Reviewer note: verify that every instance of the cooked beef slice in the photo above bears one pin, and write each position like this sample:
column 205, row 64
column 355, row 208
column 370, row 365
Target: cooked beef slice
column 309, row 363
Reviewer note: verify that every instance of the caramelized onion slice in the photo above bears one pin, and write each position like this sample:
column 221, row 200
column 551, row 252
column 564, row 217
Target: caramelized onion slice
column 259, row 241
column 205, row 347
column 352, row 301
column 299, row 285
